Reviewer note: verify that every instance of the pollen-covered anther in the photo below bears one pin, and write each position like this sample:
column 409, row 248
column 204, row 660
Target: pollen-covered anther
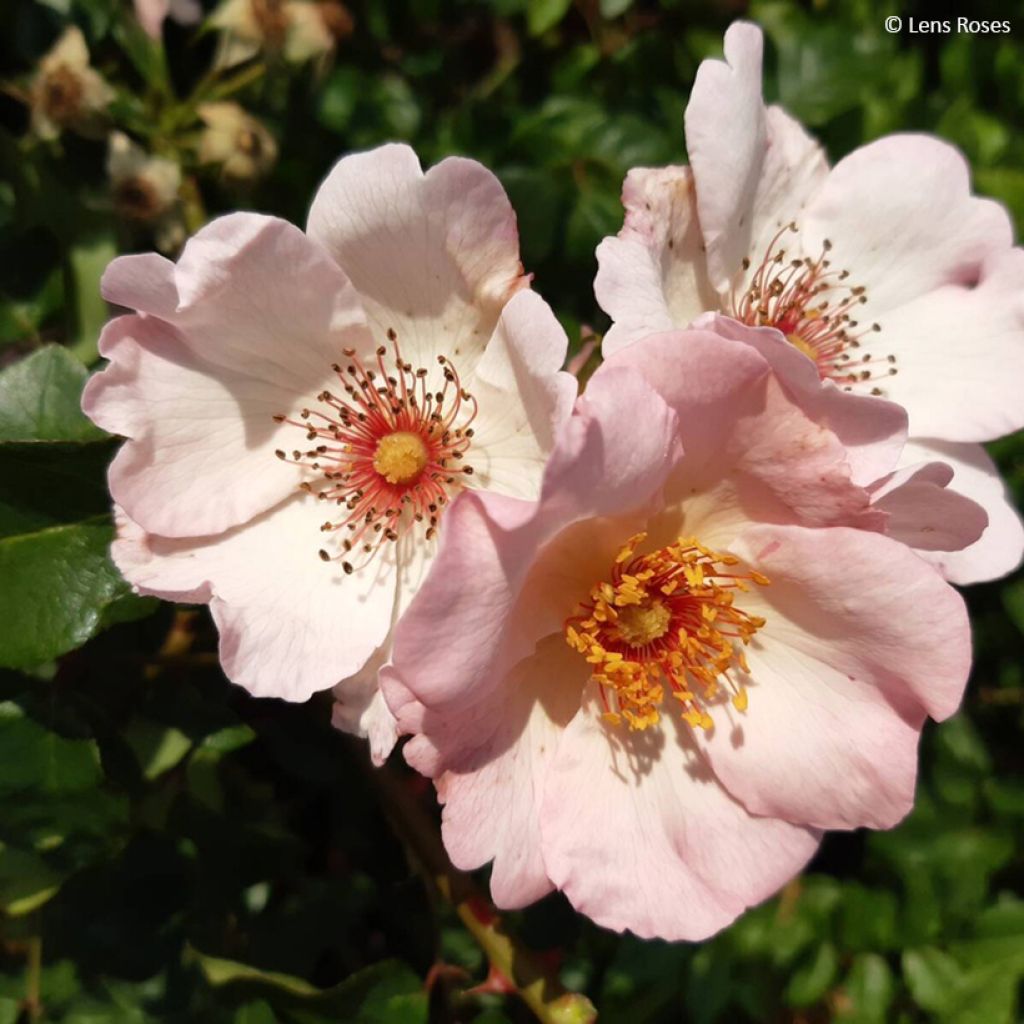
column 666, row 623
column 812, row 304
column 384, row 448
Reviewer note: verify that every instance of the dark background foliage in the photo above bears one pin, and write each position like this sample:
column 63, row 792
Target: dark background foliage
column 171, row 849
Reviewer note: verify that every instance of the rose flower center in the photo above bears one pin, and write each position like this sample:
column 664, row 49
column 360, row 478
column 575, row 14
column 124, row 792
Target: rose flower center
column 400, row 457
column 665, row 622
column 640, row 624
column 812, row 304
column 389, row 450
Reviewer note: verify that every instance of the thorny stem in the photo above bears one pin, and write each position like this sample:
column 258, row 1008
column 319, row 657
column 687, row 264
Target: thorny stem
column 535, row 984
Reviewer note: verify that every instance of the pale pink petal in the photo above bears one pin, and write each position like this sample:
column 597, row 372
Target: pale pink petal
column 638, row 834
column 736, row 421
column 924, row 513
column 554, row 584
column 862, row 641
column 872, row 430
column 523, row 397
column 754, row 168
column 959, row 352
column 651, row 278
column 226, row 343
column 434, row 256
column 1001, row 547
column 450, row 643
column 200, row 450
column 359, row 707
column 901, row 219
column 290, row 624
column 491, row 794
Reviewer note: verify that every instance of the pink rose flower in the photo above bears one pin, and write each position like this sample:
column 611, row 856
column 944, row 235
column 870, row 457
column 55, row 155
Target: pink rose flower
column 653, row 688
column 884, row 271
column 300, row 408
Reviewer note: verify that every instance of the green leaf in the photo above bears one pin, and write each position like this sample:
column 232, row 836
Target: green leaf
column 219, row 971
column 26, row 881
column 613, row 8
column 157, row 748
column 339, row 98
column 36, row 758
column 87, row 260
column 257, row 1012
column 931, row 976
column 985, row 995
column 22, row 318
column 57, row 583
column 542, row 15
column 868, row 991
column 40, row 399
column 814, row 978
column 1007, row 185
column 596, row 214
column 386, row 993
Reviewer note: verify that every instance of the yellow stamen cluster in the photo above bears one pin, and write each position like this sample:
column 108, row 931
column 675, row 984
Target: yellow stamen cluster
column 400, row 457
column 666, row 620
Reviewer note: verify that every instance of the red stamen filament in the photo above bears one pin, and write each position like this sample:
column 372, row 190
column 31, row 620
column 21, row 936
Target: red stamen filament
column 810, row 303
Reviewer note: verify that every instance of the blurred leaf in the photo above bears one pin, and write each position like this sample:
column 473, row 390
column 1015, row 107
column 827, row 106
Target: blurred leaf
column 338, row 99
column 985, row 995
column 40, row 399
column 867, row 919
column 810, row 981
column 88, row 258
column 867, row 992
column 256, row 1012
column 219, row 971
column 147, row 55
column 26, row 881
column 595, row 215
column 931, row 976
column 825, row 67
column 386, row 993
column 21, row 319
column 157, row 748
column 613, row 8
column 542, row 15
column 36, row 758
column 539, row 204
column 1005, row 184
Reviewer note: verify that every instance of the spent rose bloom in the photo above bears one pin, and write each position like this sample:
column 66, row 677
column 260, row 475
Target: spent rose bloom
column 66, row 91
column 298, row 30
column 653, row 688
column 884, row 271
column 300, row 409
column 144, row 189
column 235, row 140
